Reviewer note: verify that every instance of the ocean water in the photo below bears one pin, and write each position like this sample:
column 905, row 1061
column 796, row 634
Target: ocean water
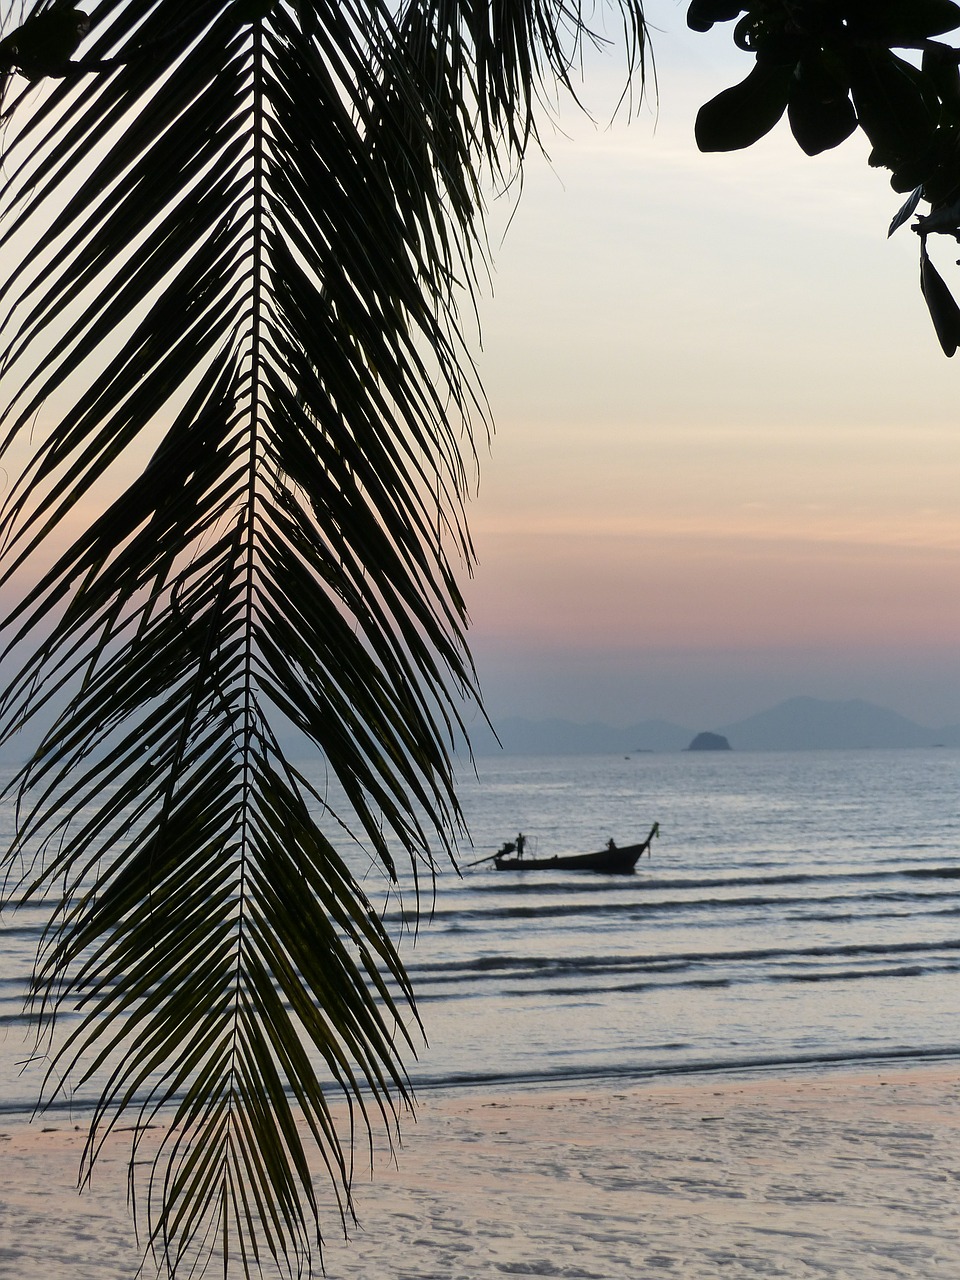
column 799, row 908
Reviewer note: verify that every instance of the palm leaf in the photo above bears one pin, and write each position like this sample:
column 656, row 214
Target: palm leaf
column 240, row 230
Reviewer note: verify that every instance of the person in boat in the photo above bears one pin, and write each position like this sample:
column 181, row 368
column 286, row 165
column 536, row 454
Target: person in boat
column 512, row 846
column 611, row 845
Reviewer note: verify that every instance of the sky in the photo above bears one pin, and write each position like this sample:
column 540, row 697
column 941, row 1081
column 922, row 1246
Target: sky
column 727, row 451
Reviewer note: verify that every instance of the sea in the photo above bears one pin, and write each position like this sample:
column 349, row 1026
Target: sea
column 799, row 910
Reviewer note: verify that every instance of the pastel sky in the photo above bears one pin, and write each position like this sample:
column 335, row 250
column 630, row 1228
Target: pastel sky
column 728, row 450
column 727, row 458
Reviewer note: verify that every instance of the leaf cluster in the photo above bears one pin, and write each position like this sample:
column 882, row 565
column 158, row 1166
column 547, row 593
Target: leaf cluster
column 830, row 65
column 45, row 42
column 240, row 233
column 835, row 65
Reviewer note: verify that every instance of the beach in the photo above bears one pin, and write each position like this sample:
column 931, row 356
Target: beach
column 849, row 1175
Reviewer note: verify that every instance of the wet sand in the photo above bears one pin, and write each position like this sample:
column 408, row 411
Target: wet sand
column 821, row 1174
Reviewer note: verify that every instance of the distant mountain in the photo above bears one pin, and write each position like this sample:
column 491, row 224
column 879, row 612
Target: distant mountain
column 799, row 724
column 804, row 724
column 709, row 742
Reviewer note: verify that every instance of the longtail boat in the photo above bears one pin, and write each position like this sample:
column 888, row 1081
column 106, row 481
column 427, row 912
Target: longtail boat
column 613, row 860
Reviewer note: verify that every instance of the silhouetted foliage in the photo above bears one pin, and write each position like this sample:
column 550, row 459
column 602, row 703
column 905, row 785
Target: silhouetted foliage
column 237, row 233
column 834, row 65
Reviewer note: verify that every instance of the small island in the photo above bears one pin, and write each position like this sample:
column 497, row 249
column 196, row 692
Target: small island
column 709, row 742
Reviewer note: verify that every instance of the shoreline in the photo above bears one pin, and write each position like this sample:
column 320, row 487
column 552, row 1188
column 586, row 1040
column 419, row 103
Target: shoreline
column 698, row 1072
column 850, row 1173
column 69, row 1113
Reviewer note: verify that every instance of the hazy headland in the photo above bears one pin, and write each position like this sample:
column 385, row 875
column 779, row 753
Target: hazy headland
column 798, row 724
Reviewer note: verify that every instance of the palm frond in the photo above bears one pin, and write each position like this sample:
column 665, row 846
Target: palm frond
column 241, row 231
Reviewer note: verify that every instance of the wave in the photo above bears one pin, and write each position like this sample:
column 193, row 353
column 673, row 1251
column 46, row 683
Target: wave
column 617, row 1074
column 575, row 882
column 746, row 1065
column 444, row 970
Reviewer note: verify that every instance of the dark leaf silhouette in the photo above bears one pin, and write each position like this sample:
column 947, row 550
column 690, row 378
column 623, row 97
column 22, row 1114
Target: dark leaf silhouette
column 819, row 121
column 906, row 210
column 702, row 14
column 892, row 107
column 742, row 114
column 239, row 232
column 901, row 22
column 944, row 311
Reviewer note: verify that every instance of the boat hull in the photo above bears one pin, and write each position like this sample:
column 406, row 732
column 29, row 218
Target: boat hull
column 614, row 862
